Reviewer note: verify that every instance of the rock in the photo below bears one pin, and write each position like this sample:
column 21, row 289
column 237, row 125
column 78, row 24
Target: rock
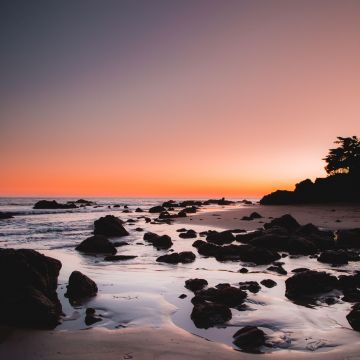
column 139, row 210
column 190, row 210
column 309, row 283
column 28, row 289
column 220, row 238
column 189, row 234
column 159, row 241
column 351, row 295
column 348, row 238
column 80, row 287
column 119, row 257
column 243, row 270
column 195, row 284
column 84, row 202
column 285, row 221
column 246, row 238
column 181, row 230
column 227, row 295
column 297, row 270
column 206, row 315
column 252, row 216
column 221, row 201
column 183, row 257
column 182, row 296
column 349, row 281
column 90, row 317
column 156, row 209
column 109, row 225
column 97, row 244
column 5, row 215
column 335, row 257
column 278, row 269
column 269, row 283
column 252, row 286
column 249, row 338
column 53, row 204
column 139, row 229
column 354, row 317
column 119, row 243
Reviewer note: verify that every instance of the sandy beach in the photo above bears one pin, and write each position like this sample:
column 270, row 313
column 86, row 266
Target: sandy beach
column 328, row 216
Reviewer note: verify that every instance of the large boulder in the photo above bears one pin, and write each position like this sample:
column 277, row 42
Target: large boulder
column 109, row 225
column 97, row 244
column 53, row 204
column 80, row 287
column 205, row 315
column 28, row 289
column 309, row 283
column 183, row 257
column 249, row 338
column 159, row 241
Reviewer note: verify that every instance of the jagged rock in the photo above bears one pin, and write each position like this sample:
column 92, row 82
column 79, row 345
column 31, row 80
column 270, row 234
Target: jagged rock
column 195, row 284
column 28, row 289
column 183, row 257
column 109, row 225
column 354, row 317
column 97, row 244
column 80, row 286
column 159, row 241
column 249, row 338
column 286, row 221
column 205, row 315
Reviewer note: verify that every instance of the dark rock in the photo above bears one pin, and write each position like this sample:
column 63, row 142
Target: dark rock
column 109, row 225
column 354, row 317
column 348, row 238
column 189, row 234
column 336, row 257
column 249, row 338
column 252, row 216
column 309, row 283
column 252, row 286
column 53, row 204
column 182, row 296
column 119, row 257
column 206, row 315
column 278, row 269
column 80, row 287
column 349, row 281
column 119, row 243
column 5, row 215
column 183, row 257
column 243, row 270
column 246, row 238
column 227, row 295
column 182, row 230
column 159, row 241
column 139, row 210
column 157, row 209
column 269, row 283
column 97, row 244
column 195, row 284
column 139, row 229
column 285, row 221
column 190, row 210
column 221, row 201
column 298, row 270
column 220, row 238
column 90, row 317
column 351, row 295
column 28, row 289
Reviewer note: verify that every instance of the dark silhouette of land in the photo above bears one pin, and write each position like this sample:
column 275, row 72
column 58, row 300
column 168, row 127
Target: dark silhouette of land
column 341, row 185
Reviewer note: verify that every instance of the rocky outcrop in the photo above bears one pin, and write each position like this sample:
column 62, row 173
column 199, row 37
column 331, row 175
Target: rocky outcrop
column 52, row 205
column 97, row 244
column 28, row 289
column 109, row 225
column 220, row 238
column 80, row 287
column 183, row 257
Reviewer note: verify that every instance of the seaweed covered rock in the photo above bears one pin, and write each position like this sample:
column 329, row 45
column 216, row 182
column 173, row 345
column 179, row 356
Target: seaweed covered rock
column 109, row 225
column 28, row 289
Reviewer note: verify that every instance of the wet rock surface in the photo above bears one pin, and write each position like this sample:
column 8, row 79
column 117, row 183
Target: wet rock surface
column 97, row 244
column 109, row 225
column 80, row 287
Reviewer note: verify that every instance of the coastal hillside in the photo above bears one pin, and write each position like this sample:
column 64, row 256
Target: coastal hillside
column 341, row 184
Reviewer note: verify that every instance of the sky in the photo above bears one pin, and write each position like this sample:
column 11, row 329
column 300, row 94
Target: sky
column 202, row 98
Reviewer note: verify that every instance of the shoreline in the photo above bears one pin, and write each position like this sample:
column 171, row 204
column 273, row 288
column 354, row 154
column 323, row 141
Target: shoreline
column 140, row 343
column 327, row 216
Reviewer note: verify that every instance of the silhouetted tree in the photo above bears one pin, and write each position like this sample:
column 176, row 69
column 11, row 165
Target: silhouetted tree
column 345, row 158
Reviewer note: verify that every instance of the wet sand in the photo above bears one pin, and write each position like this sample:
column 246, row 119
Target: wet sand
column 169, row 343
column 332, row 217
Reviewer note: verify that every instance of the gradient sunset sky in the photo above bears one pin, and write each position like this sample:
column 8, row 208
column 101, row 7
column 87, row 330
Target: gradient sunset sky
column 174, row 98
